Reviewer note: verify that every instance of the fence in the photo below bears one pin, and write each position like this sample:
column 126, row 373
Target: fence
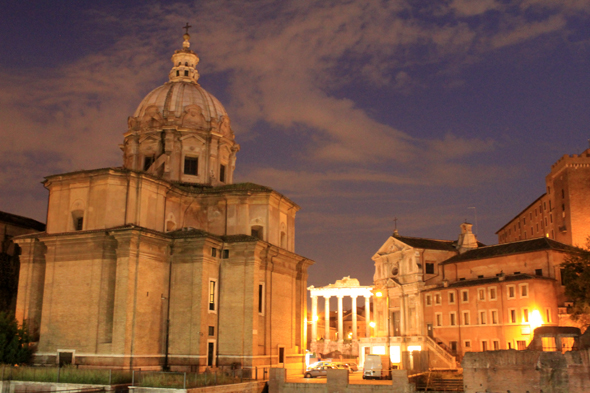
column 184, row 380
column 157, row 379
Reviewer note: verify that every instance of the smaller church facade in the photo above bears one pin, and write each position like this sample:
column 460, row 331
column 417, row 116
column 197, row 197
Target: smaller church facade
column 165, row 262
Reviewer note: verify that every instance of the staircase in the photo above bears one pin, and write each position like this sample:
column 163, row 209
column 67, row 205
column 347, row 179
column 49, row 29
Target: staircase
column 446, row 359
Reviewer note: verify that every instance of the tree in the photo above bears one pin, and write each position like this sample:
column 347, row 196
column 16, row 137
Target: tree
column 576, row 277
column 15, row 343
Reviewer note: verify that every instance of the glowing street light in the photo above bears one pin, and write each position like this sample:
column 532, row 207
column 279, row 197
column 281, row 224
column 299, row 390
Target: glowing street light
column 536, row 320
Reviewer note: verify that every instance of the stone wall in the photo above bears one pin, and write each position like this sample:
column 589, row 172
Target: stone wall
column 527, row 371
column 337, row 381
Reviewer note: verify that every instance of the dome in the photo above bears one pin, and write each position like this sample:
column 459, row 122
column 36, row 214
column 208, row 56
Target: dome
column 175, row 96
column 180, row 132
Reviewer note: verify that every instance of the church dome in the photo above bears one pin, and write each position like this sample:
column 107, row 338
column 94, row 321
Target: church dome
column 180, row 132
column 174, row 96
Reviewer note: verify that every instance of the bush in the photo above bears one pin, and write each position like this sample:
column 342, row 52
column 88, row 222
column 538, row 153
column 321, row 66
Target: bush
column 15, row 343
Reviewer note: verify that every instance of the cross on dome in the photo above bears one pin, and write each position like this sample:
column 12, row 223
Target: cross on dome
column 186, row 28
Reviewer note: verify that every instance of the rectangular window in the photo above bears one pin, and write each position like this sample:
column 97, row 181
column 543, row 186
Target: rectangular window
column 451, row 297
column 511, row 291
column 483, row 318
column 496, row 345
column 222, row 173
column 212, row 295
column 437, row 299
column 261, row 299
column 539, row 272
column 429, row 268
column 453, row 319
column 79, row 223
column 481, row 294
column 225, row 254
column 211, row 331
column 509, row 345
column 213, row 252
column 465, row 296
column 484, row 345
column 494, row 314
column 525, row 315
column 191, row 166
column 512, row 313
column 524, row 290
column 547, row 315
column 520, row 345
column 428, row 300
column 466, row 318
column 562, row 276
column 492, row 292
column 438, row 319
column 467, row 344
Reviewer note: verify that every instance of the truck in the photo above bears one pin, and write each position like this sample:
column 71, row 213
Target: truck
column 376, row 367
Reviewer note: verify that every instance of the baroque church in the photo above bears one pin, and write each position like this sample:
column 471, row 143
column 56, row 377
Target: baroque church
column 165, row 262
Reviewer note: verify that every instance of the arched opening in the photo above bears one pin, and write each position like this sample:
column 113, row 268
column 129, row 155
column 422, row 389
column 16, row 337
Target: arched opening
column 78, row 219
column 283, row 239
column 170, row 226
column 257, row 231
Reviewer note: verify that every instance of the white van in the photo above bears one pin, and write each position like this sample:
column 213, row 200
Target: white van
column 375, row 367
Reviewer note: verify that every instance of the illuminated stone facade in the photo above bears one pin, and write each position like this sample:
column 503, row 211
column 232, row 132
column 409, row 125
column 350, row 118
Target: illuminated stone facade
column 165, row 262
column 562, row 212
column 447, row 298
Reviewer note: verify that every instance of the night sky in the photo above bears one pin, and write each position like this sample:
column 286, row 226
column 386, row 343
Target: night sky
column 359, row 111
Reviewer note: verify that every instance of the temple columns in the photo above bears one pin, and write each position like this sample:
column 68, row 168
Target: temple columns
column 340, row 319
column 354, row 324
column 314, row 319
column 327, row 316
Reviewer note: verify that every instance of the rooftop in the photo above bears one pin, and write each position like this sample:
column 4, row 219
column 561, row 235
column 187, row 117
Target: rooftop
column 519, row 247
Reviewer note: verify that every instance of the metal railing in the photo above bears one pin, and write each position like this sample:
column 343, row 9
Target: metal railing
column 188, row 380
column 67, row 374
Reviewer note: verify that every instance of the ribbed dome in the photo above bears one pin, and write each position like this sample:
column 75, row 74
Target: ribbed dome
column 174, row 96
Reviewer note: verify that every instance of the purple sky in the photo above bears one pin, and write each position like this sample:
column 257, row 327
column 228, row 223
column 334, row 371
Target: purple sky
column 359, row 111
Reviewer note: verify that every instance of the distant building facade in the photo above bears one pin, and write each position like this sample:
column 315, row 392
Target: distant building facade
column 562, row 212
column 12, row 225
column 165, row 262
column 435, row 300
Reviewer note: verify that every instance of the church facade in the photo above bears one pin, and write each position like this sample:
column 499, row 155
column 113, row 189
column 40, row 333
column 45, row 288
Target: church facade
column 165, row 261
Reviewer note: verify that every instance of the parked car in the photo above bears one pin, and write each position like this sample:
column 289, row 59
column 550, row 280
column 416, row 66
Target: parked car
column 353, row 366
column 319, row 371
column 320, row 363
column 342, row 365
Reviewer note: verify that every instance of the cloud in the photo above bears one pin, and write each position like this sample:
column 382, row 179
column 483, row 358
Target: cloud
column 288, row 64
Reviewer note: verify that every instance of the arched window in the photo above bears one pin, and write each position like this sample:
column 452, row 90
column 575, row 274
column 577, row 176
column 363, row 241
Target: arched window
column 78, row 220
column 283, row 240
column 257, row 231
